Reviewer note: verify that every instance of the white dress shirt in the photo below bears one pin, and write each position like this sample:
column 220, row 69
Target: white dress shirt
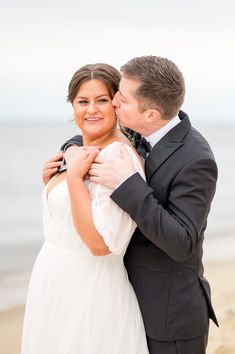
column 154, row 138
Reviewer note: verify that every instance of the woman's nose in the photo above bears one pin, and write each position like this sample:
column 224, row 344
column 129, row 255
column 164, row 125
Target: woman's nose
column 92, row 108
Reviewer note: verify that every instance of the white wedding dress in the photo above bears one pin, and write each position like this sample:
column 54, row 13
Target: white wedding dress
column 79, row 303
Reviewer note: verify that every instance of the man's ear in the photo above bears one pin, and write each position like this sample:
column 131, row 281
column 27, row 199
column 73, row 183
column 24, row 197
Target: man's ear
column 152, row 115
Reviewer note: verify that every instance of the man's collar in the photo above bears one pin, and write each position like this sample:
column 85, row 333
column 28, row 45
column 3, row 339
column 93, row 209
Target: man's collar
column 156, row 136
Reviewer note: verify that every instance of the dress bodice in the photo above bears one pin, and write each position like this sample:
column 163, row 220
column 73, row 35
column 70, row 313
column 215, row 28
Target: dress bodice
column 115, row 226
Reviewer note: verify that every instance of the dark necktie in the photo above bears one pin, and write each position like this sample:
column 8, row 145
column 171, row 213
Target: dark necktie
column 143, row 147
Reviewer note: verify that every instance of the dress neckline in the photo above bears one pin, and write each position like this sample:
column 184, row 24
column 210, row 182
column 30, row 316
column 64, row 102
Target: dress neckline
column 47, row 193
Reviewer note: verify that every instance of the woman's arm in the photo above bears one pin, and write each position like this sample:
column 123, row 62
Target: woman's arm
column 82, row 216
column 81, row 202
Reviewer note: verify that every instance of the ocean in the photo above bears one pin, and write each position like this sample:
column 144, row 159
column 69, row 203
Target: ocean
column 25, row 146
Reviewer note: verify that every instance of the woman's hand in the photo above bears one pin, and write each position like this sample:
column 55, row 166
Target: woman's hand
column 51, row 167
column 79, row 160
column 111, row 173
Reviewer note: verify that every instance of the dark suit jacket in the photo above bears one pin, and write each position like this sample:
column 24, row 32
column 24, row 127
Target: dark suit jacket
column 164, row 257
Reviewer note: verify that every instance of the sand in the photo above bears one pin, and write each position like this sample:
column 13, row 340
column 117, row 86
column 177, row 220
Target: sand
column 221, row 340
column 222, row 280
column 11, row 330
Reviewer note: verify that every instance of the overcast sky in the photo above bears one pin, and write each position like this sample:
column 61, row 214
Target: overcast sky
column 44, row 42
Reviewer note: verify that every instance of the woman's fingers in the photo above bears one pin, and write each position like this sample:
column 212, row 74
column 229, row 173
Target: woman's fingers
column 90, row 148
column 92, row 156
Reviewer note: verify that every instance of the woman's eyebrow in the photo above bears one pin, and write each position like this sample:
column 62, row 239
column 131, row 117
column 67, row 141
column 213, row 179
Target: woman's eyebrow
column 104, row 94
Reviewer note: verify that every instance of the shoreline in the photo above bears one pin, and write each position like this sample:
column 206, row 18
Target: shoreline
column 220, row 275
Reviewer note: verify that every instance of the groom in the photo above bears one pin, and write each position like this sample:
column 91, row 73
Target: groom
column 164, row 257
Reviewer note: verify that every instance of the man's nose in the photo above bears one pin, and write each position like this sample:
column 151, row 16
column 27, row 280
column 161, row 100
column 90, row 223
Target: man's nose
column 115, row 101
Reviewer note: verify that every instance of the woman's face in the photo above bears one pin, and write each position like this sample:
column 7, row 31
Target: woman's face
column 93, row 110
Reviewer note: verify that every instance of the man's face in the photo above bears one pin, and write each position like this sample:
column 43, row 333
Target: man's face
column 126, row 106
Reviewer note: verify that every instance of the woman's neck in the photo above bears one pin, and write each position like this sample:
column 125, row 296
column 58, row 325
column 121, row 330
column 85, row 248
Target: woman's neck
column 103, row 140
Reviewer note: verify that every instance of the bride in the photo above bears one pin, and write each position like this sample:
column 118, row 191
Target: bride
column 80, row 300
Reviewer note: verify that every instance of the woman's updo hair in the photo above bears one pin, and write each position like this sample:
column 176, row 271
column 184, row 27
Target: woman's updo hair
column 100, row 71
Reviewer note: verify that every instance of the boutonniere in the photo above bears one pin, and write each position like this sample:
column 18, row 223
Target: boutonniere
column 130, row 134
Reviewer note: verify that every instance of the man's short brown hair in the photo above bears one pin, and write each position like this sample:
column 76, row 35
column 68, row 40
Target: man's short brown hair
column 161, row 84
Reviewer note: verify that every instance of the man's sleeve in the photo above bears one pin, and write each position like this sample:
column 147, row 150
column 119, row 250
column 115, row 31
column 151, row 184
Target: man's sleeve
column 177, row 228
column 76, row 140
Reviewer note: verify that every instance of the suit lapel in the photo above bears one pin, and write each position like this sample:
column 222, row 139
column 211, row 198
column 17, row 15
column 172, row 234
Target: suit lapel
column 167, row 146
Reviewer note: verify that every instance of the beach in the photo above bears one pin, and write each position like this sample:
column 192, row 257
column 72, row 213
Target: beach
column 11, row 322
column 221, row 340
column 221, row 277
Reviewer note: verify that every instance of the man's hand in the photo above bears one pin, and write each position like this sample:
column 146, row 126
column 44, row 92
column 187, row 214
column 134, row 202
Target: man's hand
column 51, row 167
column 111, row 173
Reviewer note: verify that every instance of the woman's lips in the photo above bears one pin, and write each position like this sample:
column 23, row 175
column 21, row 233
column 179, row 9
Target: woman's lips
column 93, row 119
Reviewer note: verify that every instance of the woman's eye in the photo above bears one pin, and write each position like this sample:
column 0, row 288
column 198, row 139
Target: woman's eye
column 103, row 100
column 83, row 102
